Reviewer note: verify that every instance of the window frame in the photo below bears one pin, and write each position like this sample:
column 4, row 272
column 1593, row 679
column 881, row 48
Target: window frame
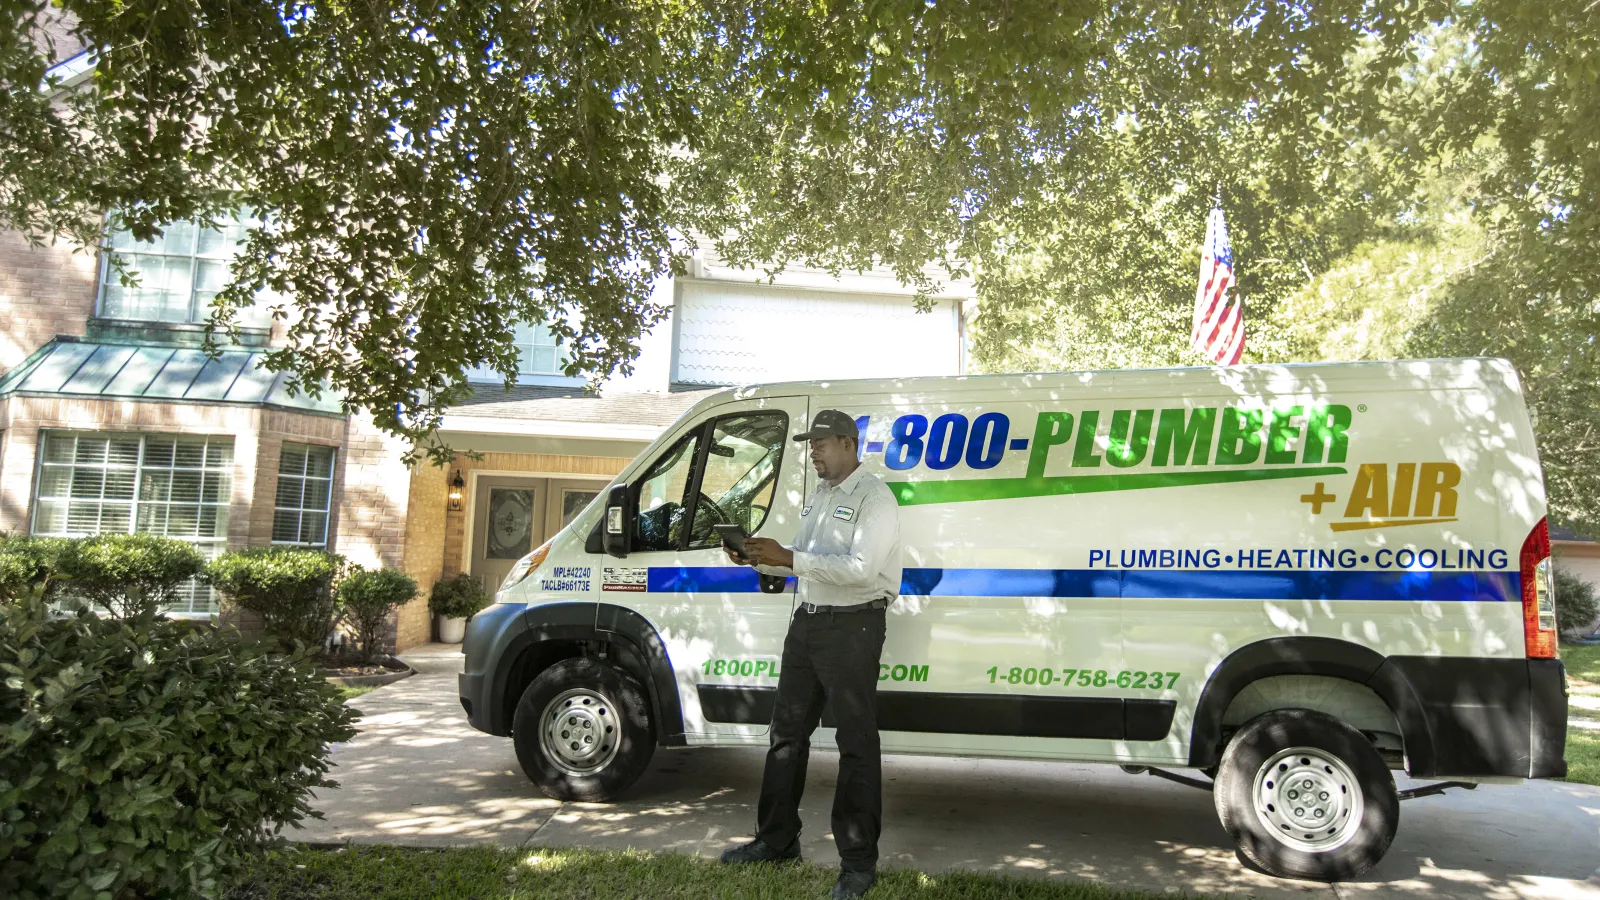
column 556, row 376
column 635, row 489
column 697, row 477
column 300, row 511
column 703, row 432
column 195, row 315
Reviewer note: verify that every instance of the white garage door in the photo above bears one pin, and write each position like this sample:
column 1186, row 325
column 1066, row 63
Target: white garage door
column 732, row 333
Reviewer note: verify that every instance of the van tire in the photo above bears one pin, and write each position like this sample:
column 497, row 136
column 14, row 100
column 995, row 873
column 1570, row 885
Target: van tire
column 582, row 731
column 1328, row 754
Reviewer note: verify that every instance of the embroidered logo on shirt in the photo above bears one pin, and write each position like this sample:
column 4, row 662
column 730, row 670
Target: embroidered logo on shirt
column 845, row 513
column 805, row 511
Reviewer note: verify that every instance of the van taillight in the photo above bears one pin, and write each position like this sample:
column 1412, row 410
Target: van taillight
column 1538, row 594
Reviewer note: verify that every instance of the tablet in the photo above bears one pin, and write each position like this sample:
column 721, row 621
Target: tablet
column 732, row 536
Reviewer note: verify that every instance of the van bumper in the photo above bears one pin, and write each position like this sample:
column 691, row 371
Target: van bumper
column 1474, row 716
column 489, row 634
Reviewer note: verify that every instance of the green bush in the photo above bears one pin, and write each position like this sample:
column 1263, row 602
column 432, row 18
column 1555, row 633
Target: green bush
column 1576, row 603
column 365, row 598
column 29, row 564
column 458, row 597
column 293, row 591
column 143, row 758
column 127, row 574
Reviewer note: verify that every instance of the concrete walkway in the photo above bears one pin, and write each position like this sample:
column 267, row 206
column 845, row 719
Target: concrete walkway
column 418, row 775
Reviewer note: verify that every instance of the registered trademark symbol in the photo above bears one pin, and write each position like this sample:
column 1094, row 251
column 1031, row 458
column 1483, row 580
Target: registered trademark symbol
column 1361, row 407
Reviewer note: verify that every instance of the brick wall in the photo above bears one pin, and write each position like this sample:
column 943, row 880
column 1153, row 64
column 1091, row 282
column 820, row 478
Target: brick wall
column 424, row 553
column 44, row 291
column 372, row 500
column 371, row 512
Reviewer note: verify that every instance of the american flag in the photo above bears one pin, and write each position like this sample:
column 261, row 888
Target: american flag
column 1218, row 333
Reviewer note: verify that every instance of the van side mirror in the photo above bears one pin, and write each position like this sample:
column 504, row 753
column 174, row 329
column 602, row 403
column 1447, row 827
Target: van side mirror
column 617, row 523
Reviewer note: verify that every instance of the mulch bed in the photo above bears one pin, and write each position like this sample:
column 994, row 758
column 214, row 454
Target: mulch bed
column 354, row 672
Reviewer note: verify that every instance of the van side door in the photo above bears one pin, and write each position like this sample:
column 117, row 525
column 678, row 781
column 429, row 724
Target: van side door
column 723, row 624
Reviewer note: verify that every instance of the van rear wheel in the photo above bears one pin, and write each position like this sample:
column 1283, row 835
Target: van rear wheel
column 582, row 731
column 1304, row 795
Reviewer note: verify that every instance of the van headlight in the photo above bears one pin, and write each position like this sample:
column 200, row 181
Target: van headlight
column 525, row 566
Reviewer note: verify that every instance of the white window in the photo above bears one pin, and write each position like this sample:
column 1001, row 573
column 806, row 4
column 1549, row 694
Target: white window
column 538, row 353
column 176, row 275
column 176, row 486
column 305, row 491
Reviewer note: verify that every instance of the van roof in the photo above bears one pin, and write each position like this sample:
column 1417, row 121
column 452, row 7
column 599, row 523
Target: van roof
column 1406, row 374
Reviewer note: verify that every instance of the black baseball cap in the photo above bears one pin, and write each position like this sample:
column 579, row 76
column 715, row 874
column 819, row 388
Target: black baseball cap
column 830, row 421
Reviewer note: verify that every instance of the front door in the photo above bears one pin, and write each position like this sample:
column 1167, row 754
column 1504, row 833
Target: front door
column 724, row 633
column 508, row 522
column 566, row 498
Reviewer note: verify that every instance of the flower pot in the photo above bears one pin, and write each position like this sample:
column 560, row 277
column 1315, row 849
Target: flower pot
column 451, row 631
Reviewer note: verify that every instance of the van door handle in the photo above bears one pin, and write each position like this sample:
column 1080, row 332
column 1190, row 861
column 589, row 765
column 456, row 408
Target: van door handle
column 772, row 584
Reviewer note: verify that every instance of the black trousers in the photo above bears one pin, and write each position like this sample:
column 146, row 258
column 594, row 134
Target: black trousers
column 828, row 658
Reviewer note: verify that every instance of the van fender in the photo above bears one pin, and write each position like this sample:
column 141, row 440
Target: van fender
column 1304, row 656
column 599, row 623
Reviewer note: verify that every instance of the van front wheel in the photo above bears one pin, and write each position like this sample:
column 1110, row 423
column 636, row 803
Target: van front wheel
column 1304, row 795
column 582, row 731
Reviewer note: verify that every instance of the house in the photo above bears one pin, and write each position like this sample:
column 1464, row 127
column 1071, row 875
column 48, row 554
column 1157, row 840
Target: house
column 1580, row 555
column 113, row 419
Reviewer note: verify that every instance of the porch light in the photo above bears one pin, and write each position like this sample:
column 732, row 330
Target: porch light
column 457, row 487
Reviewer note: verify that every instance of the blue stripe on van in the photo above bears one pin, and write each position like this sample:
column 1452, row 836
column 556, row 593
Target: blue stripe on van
column 1231, row 584
column 1279, row 584
column 732, row 579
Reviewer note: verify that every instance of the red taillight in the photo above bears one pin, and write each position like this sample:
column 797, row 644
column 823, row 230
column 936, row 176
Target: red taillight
column 1538, row 594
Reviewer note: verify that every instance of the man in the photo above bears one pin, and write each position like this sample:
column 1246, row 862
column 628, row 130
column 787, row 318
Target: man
column 847, row 560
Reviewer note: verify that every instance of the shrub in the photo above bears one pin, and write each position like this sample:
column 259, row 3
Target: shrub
column 365, row 598
column 127, row 574
column 458, row 597
column 291, row 590
column 143, row 758
column 29, row 564
column 1576, row 603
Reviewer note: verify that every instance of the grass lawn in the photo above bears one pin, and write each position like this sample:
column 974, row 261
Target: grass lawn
column 381, row 873
column 1583, row 702
column 1582, row 662
column 350, row 693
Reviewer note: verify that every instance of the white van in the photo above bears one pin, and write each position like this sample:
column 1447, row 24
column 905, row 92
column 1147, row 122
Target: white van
column 1293, row 578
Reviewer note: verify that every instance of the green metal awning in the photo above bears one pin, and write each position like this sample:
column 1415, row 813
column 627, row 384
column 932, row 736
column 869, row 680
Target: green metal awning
column 69, row 368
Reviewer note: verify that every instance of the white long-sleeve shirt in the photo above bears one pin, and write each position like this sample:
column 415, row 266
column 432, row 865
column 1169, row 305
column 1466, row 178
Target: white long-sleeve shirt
column 848, row 550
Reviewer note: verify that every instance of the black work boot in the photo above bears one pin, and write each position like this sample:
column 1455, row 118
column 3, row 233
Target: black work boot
column 853, row 884
column 758, row 851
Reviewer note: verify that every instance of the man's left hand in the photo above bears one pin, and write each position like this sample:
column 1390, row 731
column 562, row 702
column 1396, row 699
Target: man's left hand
column 767, row 552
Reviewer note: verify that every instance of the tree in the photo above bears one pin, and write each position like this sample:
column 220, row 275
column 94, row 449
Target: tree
column 427, row 173
column 1419, row 230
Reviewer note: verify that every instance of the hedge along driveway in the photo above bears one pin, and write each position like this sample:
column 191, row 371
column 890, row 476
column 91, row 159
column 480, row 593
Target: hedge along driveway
column 419, row 775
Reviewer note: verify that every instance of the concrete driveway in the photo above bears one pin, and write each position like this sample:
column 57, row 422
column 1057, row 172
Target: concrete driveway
column 418, row 775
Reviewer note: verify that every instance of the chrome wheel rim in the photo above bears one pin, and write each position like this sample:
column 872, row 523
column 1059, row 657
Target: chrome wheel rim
column 1309, row 799
column 580, row 732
